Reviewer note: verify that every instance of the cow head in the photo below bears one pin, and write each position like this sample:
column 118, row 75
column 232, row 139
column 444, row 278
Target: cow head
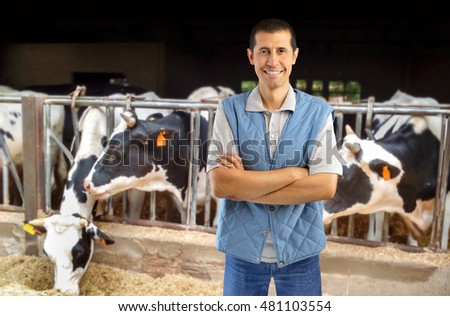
column 69, row 244
column 145, row 154
column 369, row 180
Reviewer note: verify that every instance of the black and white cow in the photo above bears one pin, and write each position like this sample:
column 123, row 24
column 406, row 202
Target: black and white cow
column 11, row 128
column 93, row 132
column 70, row 235
column 209, row 93
column 395, row 174
column 384, row 125
column 69, row 244
column 149, row 155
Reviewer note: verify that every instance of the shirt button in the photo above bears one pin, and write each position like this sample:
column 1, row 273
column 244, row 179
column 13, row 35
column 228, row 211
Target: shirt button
column 257, row 260
column 264, row 232
column 272, row 208
column 281, row 263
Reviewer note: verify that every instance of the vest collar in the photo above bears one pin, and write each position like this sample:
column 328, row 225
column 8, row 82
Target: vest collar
column 255, row 104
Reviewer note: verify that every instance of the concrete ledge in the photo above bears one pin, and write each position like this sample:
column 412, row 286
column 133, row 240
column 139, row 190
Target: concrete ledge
column 346, row 269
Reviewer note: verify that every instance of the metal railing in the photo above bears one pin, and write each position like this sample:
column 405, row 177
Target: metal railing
column 35, row 115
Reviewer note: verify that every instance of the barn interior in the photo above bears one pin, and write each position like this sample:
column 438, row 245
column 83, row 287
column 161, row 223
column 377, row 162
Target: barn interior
column 350, row 58
column 173, row 57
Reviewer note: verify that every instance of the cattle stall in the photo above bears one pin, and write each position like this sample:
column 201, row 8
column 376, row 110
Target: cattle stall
column 369, row 109
column 36, row 196
column 193, row 107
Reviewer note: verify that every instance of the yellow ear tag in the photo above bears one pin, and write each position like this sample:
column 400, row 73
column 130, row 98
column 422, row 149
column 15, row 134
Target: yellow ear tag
column 30, row 229
column 161, row 140
column 386, row 173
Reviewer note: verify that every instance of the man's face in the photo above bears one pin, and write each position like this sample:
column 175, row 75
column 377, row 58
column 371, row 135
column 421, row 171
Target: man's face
column 273, row 57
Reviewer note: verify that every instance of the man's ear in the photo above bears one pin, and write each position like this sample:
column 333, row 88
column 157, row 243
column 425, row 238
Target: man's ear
column 250, row 56
column 295, row 56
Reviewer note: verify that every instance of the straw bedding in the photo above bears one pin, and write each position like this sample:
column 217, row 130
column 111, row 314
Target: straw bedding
column 30, row 275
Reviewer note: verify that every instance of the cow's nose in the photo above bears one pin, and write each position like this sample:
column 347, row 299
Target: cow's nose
column 87, row 185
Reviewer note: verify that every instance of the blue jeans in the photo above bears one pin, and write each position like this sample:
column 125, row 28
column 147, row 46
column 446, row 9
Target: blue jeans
column 243, row 278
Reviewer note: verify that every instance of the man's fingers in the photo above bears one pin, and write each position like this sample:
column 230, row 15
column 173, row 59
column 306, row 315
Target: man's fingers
column 230, row 160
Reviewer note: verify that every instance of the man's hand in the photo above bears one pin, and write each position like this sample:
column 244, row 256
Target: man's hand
column 230, row 161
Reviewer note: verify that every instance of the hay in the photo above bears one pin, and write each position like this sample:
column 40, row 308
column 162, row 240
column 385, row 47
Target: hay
column 30, row 275
column 388, row 253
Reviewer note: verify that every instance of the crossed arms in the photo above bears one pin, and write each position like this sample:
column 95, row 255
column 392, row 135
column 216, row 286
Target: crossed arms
column 290, row 185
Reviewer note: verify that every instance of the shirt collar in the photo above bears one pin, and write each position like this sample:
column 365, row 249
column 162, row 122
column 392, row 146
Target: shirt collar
column 255, row 104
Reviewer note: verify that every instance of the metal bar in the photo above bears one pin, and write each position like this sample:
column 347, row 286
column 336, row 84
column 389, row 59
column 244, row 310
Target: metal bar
column 195, row 163
column 152, row 216
column 358, row 124
column 33, row 160
column 370, row 243
column 339, row 117
column 12, row 208
column 207, row 207
column 76, row 130
column 169, row 103
column 169, row 225
column 392, row 110
column 124, row 203
column 109, row 130
column 61, row 145
column 82, row 101
column 181, row 210
column 5, row 175
column 441, row 187
column 48, row 158
column 11, row 167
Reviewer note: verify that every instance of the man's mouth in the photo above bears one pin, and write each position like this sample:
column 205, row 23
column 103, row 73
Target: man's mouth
column 273, row 72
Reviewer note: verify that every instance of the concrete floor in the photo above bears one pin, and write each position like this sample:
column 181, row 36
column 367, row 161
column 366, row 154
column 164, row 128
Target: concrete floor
column 346, row 269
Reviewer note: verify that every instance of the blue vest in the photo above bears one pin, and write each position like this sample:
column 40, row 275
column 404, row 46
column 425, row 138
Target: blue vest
column 297, row 230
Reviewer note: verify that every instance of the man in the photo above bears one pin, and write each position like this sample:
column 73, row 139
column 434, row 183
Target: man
column 271, row 162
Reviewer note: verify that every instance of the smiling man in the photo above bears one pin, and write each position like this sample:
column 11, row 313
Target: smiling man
column 269, row 163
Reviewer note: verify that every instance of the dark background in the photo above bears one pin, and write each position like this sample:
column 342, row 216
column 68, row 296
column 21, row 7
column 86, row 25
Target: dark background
column 383, row 54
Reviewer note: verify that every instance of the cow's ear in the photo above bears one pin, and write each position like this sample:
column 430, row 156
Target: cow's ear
column 161, row 136
column 154, row 116
column 384, row 169
column 35, row 226
column 95, row 233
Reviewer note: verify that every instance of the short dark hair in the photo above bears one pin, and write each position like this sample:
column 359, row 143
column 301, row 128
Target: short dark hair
column 272, row 26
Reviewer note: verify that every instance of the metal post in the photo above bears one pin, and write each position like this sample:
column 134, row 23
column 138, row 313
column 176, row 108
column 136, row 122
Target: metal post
column 33, row 164
column 207, row 207
column 441, row 191
column 48, row 159
column 152, row 216
column 109, row 130
column 339, row 135
column 194, row 166
column 5, row 166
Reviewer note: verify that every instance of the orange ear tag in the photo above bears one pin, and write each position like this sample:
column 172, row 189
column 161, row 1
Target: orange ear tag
column 161, row 140
column 103, row 242
column 386, row 173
